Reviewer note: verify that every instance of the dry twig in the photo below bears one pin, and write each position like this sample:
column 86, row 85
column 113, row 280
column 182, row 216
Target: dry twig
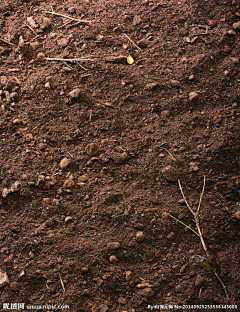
column 139, row 49
column 67, row 60
column 195, row 214
column 62, row 283
column 31, row 29
column 69, row 17
column 3, row 40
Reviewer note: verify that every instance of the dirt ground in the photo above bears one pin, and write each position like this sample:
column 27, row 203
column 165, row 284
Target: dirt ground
column 92, row 150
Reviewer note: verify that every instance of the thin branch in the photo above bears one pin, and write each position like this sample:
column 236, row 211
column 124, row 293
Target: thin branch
column 31, row 29
column 139, row 49
column 3, row 40
column 200, row 200
column 190, row 209
column 184, row 224
column 68, row 60
column 71, row 18
column 223, row 286
column 61, row 282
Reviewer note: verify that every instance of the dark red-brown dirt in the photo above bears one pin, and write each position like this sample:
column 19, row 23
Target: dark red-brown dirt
column 91, row 153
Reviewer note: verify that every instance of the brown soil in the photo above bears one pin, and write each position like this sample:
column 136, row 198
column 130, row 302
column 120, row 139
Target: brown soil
column 82, row 173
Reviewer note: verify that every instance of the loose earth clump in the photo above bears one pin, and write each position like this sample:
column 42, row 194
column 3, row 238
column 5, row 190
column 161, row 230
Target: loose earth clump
column 104, row 106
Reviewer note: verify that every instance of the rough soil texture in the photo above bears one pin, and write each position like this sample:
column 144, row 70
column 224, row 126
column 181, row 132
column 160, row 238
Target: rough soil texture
column 91, row 153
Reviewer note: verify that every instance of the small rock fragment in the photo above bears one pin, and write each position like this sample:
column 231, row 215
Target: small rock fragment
column 31, row 254
column 191, row 77
column 139, row 236
column 158, row 254
column 171, row 236
column 170, row 173
column 31, row 22
column 15, row 286
column 212, row 23
column 175, row 83
column 128, row 275
column 193, row 166
column 193, row 96
column 74, row 94
column 236, row 26
column 46, row 23
column 103, row 308
column 63, row 42
column 151, row 86
column 237, row 214
column 64, row 163
column 120, row 158
column 147, row 292
column 29, row 137
column 68, row 218
column 136, row 20
column 34, row 45
column 113, row 259
column 85, row 269
column 13, row 96
column 15, row 187
column 5, row 192
column 143, row 43
column 122, row 300
column 178, row 288
column 3, row 279
column 199, row 281
column 113, row 245
column 92, row 149
column 41, row 56
column 69, row 183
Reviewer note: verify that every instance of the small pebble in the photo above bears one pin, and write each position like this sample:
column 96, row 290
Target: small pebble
column 171, row 236
column 192, row 96
column 3, row 279
column 64, row 163
column 193, row 167
column 5, row 192
column 69, row 183
column 113, row 245
column 85, row 269
column 68, row 218
column 29, row 137
column 175, row 83
column 147, row 292
column 170, row 173
column 63, row 42
column 236, row 26
column 122, row 300
column 191, row 77
column 151, row 86
column 139, row 237
column 92, row 149
column 158, row 254
column 74, row 94
column 128, row 275
column 237, row 214
column 15, row 286
column 199, row 281
column 46, row 23
column 13, row 96
column 31, row 254
column 178, row 288
column 113, row 259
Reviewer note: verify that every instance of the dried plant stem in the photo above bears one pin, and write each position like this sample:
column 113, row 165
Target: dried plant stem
column 67, row 60
column 69, row 17
column 62, row 283
column 3, row 40
column 184, row 224
column 223, row 286
column 195, row 213
column 139, row 49
column 31, row 29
